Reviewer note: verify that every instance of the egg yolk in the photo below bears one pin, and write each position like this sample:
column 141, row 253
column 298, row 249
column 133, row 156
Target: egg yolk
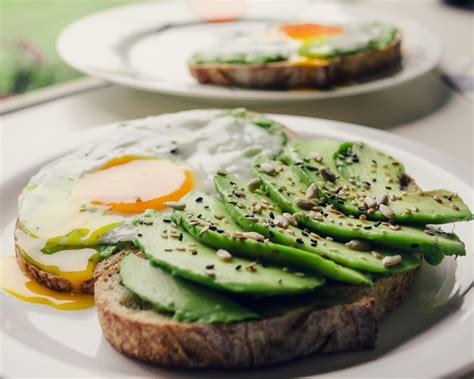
column 17, row 282
column 133, row 184
column 308, row 30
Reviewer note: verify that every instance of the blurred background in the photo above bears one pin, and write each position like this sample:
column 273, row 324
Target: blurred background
column 28, row 32
column 29, row 29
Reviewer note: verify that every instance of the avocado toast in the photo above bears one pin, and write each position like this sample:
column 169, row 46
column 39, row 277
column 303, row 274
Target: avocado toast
column 263, row 258
column 299, row 55
column 273, row 266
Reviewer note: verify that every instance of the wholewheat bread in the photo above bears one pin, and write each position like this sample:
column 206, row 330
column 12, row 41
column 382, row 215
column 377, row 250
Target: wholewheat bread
column 135, row 329
column 289, row 74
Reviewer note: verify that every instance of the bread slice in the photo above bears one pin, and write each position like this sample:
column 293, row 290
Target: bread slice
column 134, row 329
column 317, row 73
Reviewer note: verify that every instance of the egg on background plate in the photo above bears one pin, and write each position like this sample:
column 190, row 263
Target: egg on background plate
column 86, row 199
column 295, row 42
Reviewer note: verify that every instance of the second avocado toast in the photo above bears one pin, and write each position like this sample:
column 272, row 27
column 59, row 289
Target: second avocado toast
column 305, row 256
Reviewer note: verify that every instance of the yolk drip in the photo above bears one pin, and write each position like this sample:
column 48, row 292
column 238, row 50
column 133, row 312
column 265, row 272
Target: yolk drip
column 76, row 275
column 133, row 184
column 308, row 31
column 15, row 281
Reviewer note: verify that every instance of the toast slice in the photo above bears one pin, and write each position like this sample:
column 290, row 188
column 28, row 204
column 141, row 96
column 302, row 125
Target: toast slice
column 134, row 329
column 305, row 73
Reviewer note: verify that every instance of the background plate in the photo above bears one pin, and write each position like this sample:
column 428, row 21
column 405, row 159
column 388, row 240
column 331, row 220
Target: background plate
column 429, row 335
column 146, row 46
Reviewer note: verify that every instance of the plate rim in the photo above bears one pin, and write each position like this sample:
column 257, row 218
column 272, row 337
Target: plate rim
column 233, row 94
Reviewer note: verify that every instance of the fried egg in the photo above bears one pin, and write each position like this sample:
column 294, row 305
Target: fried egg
column 294, row 42
column 85, row 199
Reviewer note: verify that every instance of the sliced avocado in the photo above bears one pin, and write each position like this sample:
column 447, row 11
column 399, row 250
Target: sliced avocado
column 285, row 188
column 167, row 246
column 187, row 302
column 264, row 216
column 352, row 175
column 200, row 220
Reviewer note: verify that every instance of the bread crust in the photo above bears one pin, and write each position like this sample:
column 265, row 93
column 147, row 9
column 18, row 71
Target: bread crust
column 149, row 336
column 281, row 75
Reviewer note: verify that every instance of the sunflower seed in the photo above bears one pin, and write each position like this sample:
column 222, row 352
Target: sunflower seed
column 391, row 260
column 370, row 202
column 381, row 199
column 224, row 255
column 305, row 203
column 176, row 205
column 312, row 191
column 386, row 211
column 267, row 168
column 253, row 184
column 281, row 221
column 290, row 219
column 252, row 267
column 359, row 245
column 253, row 236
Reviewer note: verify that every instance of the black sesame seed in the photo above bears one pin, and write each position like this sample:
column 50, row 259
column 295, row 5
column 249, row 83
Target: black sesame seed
column 388, row 187
column 180, row 237
column 414, row 245
column 299, row 240
column 210, row 267
column 314, row 244
column 367, row 227
column 272, row 215
column 305, row 234
column 140, row 235
column 167, row 220
column 377, row 223
column 199, row 200
column 271, row 234
column 213, row 228
column 174, row 151
column 194, row 253
column 238, row 267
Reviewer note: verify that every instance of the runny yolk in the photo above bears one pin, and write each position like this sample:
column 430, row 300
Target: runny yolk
column 15, row 281
column 133, row 184
column 308, row 30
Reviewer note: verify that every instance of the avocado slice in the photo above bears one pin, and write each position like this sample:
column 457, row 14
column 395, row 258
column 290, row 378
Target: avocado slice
column 285, row 187
column 352, row 175
column 168, row 247
column 199, row 219
column 264, row 216
column 187, row 302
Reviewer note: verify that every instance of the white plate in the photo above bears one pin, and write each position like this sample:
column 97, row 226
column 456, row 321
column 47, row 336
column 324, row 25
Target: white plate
column 429, row 335
column 146, row 46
